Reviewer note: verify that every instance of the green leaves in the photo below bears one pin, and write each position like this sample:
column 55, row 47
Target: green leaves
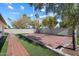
column 69, row 12
column 35, row 24
column 37, row 6
column 37, row 15
column 50, row 22
column 22, row 22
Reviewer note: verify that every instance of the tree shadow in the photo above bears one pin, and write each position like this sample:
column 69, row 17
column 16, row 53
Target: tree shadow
column 68, row 48
column 60, row 46
column 2, row 41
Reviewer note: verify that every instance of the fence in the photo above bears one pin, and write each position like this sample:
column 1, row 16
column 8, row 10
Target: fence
column 57, row 31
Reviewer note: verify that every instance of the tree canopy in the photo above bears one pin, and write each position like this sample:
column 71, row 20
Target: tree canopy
column 69, row 13
column 50, row 22
column 22, row 22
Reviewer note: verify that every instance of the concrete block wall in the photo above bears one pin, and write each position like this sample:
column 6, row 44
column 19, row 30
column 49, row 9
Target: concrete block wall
column 19, row 31
column 57, row 31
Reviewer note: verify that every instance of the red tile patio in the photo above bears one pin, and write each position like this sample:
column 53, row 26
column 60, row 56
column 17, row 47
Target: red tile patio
column 51, row 40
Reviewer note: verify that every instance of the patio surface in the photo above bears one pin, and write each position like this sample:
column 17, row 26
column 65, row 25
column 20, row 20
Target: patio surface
column 69, row 50
column 51, row 40
column 15, row 48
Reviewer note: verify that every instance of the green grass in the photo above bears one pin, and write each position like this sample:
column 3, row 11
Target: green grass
column 35, row 49
column 3, row 46
column 78, row 40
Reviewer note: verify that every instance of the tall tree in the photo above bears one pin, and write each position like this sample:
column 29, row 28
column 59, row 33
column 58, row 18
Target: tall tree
column 50, row 22
column 37, row 6
column 68, row 12
column 35, row 24
column 22, row 22
column 37, row 15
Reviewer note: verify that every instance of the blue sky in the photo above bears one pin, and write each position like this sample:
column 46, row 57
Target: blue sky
column 15, row 10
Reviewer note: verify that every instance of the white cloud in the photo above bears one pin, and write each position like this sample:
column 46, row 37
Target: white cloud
column 14, row 13
column 31, row 15
column 9, row 3
column 59, row 20
column 42, row 16
column 51, row 14
column 10, row 7
column 43, row 9
column 22, row 7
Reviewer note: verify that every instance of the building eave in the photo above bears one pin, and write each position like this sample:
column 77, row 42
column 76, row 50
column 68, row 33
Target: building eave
column 2, row 19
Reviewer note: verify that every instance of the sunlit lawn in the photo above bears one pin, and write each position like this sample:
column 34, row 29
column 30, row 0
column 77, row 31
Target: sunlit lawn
column 78, row 40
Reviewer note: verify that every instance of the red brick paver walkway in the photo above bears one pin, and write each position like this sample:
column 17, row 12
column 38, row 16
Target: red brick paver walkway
column 15, row 48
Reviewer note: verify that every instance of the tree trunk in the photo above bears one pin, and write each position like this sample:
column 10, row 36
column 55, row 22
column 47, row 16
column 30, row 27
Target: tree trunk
column 73, row 38
column 51, row 31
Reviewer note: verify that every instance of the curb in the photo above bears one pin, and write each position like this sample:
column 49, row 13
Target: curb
column 58, row 51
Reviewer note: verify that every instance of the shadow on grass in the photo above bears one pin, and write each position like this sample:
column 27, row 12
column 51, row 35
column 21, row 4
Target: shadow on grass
column 2, row 41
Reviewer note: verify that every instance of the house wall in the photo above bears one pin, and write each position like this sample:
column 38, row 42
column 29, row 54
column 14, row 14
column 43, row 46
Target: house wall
column 1, row 28
column 1, row 23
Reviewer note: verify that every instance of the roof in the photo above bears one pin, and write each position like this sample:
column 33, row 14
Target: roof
column 2, row 19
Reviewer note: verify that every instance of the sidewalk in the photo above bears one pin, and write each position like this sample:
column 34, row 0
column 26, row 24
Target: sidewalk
column 15, row 48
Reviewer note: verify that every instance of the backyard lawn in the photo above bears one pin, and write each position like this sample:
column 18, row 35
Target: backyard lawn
column 78, row 40
column 3, row 46
column 35, row 49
